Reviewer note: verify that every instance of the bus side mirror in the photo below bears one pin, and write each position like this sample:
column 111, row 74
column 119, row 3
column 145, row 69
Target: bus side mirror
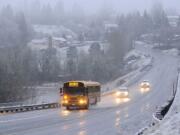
column 61, row 91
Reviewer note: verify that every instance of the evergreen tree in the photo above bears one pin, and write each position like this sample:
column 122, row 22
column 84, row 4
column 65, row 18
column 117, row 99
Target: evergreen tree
column 59, row 12
column 9, row 32
column 95, row 51
column 47, row 17
column 77, row 14
column 106, row 11
column 7, row 12
column 35, row 12
column 83, row 66
column 97, row 69
column 50, row 65
column 24, row 31
column 178, row 23
column 158, row 15
column 147, row 22
column 72, row 60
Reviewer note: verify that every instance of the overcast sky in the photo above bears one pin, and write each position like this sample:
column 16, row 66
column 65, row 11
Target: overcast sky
column 126, row 5
column 119, row 5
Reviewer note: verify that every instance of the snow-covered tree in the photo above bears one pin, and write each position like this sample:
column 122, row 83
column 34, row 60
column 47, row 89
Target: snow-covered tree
column 49, row 63
column 24, row 29
column 72, row 61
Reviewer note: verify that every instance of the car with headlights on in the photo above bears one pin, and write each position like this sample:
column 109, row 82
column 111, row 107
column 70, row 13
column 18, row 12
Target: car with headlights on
column 145, row 86
column 122, row 92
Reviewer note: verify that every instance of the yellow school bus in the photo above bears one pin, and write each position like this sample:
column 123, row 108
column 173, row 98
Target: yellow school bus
column 80, row 94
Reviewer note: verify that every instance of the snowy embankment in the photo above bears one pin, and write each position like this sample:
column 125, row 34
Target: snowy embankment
column 45, row 93
column 141, row 65
column 170, row 125
column 48, row 93
column 173, row 52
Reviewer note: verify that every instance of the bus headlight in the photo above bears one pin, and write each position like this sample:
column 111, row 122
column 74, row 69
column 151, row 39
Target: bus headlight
column 65, row 101
column 82, row 101
column 65, row 97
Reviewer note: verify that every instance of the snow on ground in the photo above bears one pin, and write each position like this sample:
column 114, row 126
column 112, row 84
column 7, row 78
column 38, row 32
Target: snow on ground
column 173, row 52
column 47, row 93
column 53, row 30
column 138, row 62
column 137, row 59
column 170, row 125
column 118, row 82
column 133, row 53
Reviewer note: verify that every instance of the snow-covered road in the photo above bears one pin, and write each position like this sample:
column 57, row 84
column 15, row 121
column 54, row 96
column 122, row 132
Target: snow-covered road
column 108, row 117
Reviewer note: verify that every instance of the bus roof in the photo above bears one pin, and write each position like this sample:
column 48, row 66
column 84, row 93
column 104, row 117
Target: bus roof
column 87, row 83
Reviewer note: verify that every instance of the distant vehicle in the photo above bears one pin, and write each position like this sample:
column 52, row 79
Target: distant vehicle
column 145, row 86
column 80, row 94
column 122, row 92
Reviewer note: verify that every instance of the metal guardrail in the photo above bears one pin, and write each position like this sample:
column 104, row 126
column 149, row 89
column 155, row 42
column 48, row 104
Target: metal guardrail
column 17, row 108
column 141, row 131
column 25, row 108
column 158, row 116
column 161, row 111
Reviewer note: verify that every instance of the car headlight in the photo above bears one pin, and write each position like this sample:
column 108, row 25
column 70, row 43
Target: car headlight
column 126, row 93
column 118, row 93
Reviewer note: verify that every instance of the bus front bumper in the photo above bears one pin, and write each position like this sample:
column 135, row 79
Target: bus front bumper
column 79, row 103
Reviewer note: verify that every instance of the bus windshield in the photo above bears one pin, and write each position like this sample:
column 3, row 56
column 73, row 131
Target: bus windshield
column 74, row 91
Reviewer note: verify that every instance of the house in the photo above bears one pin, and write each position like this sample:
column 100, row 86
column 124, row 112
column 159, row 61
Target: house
column 38, row 44
column 109, row 27
column 173, row 20
column 59, row 42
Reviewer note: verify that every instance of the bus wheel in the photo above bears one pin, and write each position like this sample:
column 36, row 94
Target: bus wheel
column 95, row 103
column 67, row 108
column 86, row 107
